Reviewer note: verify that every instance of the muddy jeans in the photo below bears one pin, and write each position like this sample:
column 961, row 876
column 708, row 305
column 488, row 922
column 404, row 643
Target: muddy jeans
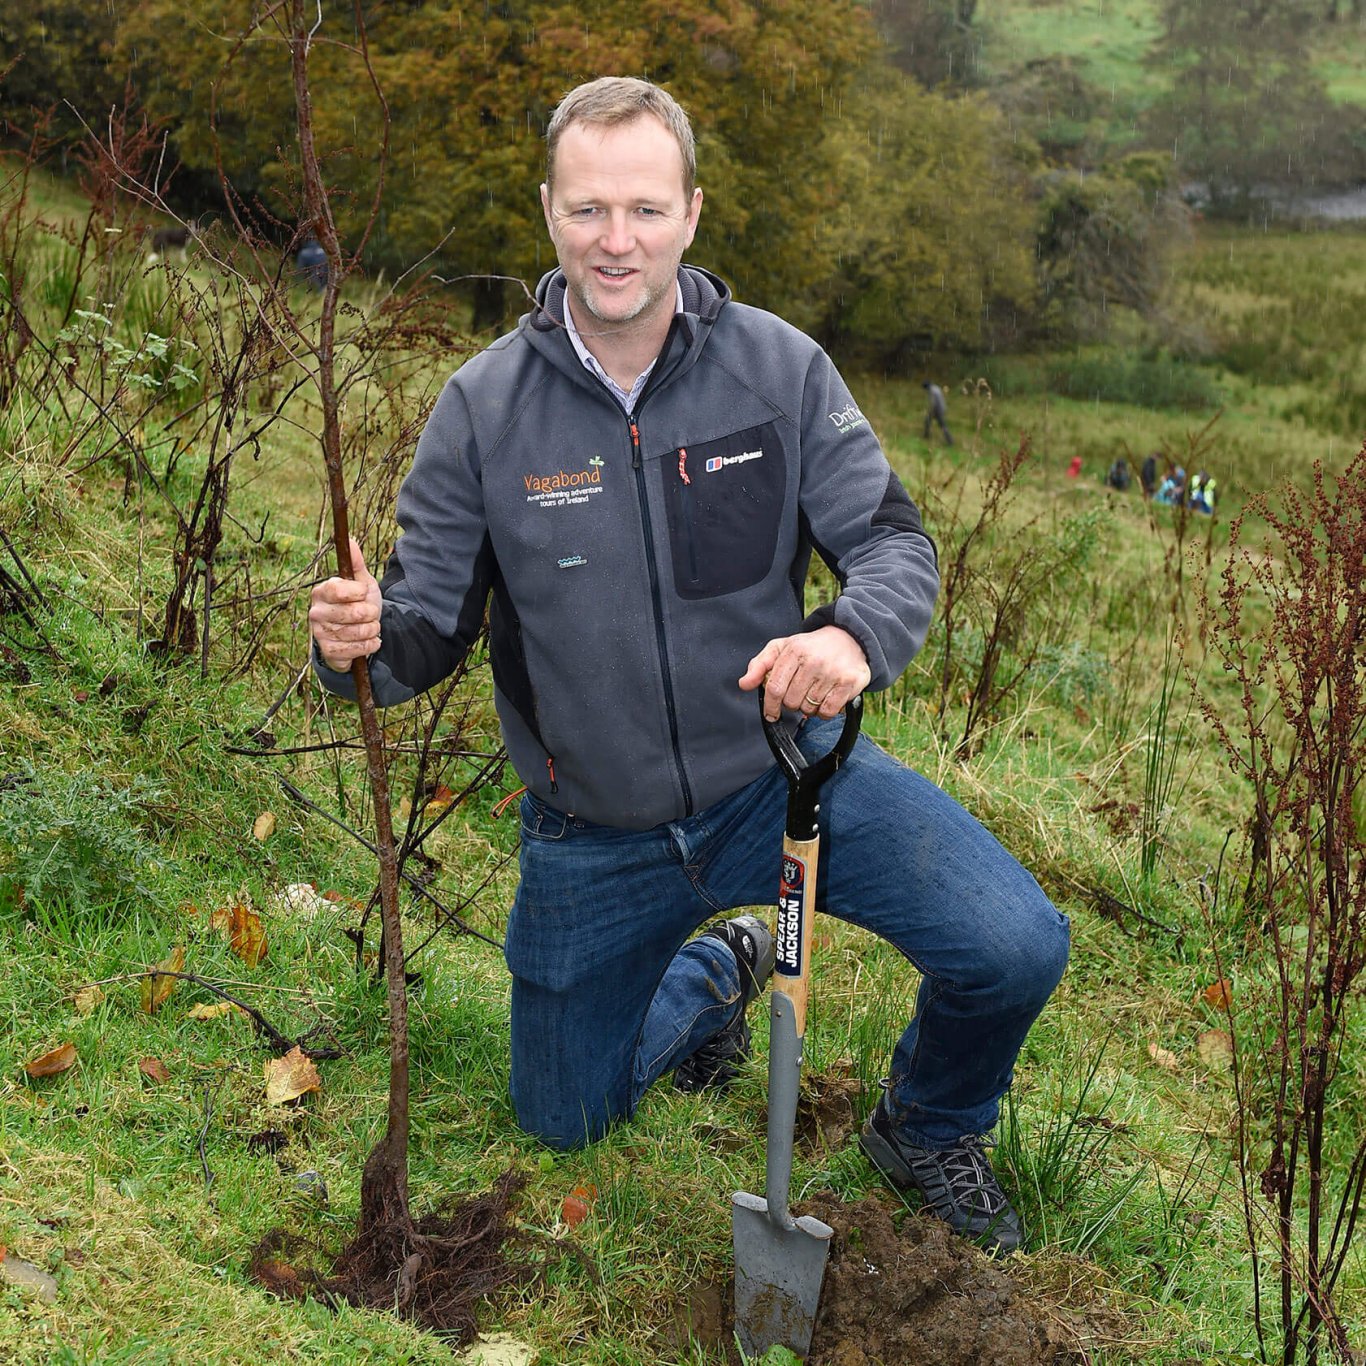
column 607, row 996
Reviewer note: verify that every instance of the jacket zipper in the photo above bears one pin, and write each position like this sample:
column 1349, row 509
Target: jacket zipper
column 685, row 501
column 660, row 642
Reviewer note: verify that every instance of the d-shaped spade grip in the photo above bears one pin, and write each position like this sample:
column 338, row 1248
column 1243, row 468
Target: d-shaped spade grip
column 804, row 778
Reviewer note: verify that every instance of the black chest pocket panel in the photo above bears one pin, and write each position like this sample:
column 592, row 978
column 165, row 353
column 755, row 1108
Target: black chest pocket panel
column 724, row 500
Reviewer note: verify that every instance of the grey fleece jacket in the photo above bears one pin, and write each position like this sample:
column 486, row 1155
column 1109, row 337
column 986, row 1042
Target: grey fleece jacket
column 637, row 563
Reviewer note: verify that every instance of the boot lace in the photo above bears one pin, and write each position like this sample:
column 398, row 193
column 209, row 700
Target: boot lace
column 965, row 1174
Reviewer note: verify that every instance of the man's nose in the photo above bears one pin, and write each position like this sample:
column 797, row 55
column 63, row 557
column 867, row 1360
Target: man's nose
column 618, row 234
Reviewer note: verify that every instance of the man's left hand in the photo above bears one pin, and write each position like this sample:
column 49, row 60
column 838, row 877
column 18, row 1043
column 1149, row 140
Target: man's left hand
column 815, row 672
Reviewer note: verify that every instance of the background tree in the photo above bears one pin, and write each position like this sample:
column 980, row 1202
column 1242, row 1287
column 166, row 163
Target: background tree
column 932, row 40
column 932, row 234
column 51, row 50
column 1244, row 109
column 470, row 89
column 1103, row 239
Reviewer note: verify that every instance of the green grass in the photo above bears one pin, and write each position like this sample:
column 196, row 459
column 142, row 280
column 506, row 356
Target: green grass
column 1120, row 1161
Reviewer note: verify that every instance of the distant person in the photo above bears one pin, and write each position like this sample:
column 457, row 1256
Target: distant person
column 938, row 411
column 1147, row 474
column 1172, row 489
column 1074, row 469
column 1201, row 497
column 311, row 263
column 1118, row 476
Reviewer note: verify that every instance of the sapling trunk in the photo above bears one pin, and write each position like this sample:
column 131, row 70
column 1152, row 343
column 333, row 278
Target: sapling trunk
column 384, row 1183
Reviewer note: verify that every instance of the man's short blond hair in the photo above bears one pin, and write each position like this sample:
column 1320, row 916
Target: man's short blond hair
column 613, row 100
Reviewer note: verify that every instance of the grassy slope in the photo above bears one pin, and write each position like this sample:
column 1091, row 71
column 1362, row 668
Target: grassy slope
column 101, row 1177
column 1109, row 41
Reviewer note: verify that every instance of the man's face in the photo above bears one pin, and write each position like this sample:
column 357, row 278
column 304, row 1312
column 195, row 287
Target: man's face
column 620, row 221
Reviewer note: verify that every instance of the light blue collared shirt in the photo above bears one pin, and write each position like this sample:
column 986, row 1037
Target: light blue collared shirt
column 591, row 364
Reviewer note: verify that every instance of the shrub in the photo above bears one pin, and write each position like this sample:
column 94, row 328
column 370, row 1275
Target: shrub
column 70, row 838
column 1289, row 624
column 1160, row 382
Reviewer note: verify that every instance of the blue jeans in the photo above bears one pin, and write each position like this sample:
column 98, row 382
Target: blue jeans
column 608, row 994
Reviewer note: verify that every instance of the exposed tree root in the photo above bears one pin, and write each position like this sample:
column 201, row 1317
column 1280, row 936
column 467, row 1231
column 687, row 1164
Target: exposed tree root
column 433, row 1270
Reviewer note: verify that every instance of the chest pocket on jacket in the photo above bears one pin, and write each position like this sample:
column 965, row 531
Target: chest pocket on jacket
column 724, row 500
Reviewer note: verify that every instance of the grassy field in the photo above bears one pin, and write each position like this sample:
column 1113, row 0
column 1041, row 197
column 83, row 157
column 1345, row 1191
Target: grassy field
column 1108, row 42
column 130, row 816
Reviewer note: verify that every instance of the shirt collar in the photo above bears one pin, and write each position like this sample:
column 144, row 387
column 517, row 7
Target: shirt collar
column 627, row 398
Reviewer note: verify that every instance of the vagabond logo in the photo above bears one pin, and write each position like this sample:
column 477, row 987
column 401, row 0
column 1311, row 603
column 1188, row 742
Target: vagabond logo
column 562, row 479
column 717, row 462
column 564, row 488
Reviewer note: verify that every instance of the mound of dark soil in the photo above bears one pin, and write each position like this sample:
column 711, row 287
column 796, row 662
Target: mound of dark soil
column 902, row 1290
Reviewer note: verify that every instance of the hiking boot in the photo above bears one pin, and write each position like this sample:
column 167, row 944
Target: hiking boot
column 717, row 1063
column 956, row 1184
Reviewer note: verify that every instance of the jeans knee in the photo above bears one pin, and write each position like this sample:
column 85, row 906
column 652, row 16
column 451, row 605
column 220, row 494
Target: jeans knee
column 1028, row 966
column 1042, row 958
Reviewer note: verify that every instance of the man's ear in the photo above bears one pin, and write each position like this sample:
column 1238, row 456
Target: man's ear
column 545, row 206
column 694, row 213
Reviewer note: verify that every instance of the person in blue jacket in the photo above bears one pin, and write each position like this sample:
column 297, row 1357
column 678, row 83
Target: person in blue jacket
column 310, row 263
column 632, row 483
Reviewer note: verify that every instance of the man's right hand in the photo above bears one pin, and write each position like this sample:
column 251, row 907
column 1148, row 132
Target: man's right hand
column 343, row 615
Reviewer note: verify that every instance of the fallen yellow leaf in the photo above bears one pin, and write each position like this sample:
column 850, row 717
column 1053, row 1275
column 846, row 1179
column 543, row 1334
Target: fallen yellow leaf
column 1163, row 1057
column 264, row 827
column 291, row 1076
column 1216, row 1048
column 88, row 999
column 50, row 1063
column 205, row 1011
column 155, row 989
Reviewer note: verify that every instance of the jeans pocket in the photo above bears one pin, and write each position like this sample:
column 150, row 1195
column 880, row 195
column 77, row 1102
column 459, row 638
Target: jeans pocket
column 542, row 822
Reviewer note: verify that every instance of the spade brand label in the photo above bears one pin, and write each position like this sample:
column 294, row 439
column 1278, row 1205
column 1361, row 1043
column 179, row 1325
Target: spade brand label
column 791, row 892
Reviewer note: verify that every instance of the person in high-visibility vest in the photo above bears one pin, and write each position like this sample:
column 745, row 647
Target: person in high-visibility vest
column 1202, row 493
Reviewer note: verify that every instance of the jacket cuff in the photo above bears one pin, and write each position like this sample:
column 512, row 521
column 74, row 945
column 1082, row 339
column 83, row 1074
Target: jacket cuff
column 332, row 679
column 827, row 615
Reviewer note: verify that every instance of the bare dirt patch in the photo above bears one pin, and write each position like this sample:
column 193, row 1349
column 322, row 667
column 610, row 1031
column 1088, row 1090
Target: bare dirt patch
column 902, row 1290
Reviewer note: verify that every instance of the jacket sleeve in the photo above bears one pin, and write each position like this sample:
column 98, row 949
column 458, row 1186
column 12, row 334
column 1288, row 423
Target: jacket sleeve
column 863, row 524
column 436, row 583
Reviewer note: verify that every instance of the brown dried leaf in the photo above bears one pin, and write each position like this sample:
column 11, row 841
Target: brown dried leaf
column 264, row 826
column 205, row 1011
column 291, row 1076
column 88, row 999
column 50, row 1063
column 1218, row 995
column 1216, row 1049
column 154, row 1069
column 440, row 799
column 154, row 989
column 246, row 935
column 1163, row 1057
